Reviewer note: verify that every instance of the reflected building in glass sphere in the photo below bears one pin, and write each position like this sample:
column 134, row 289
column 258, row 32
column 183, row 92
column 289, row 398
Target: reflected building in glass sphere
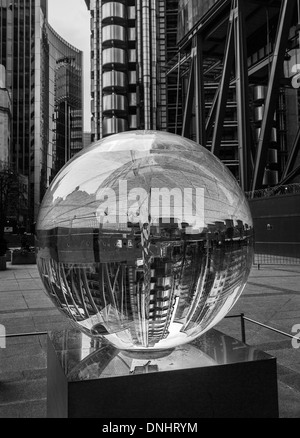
column 146, row 239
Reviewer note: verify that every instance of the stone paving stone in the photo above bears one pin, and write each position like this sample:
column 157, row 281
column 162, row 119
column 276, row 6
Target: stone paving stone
column 51, row 311
column 292, row 305
column 15, row 325
column 22, row 357
column 7, row 275
column 290, row 359
column 31, row 284
column 8, row 285
column 287, row 314
column 274, row 346
column 285, row 324
column 11, row 295
column 27, row 409
column 41, row 304
column 53, row 326
column 16, row 314
column 40, row 340
column 22, row 390
column 14, row 304
column 292, row 380
column 17, row 376
column 289, row 401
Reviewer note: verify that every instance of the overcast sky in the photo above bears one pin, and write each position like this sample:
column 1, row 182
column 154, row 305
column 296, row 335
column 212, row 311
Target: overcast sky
column 71, row 20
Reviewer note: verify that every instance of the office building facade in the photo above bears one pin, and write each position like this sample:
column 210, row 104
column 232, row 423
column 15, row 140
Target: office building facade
column 5, row 119
column 128, row 65
column 66, row 101
column 238, row 66
column 39, row 64
column 174, row 94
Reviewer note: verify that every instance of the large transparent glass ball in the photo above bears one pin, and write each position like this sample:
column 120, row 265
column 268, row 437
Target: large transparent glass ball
column 145, row 239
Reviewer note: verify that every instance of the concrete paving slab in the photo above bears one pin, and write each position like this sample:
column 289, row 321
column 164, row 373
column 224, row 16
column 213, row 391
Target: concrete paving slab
column 29, row 285
column 289, row 405
column 14, row 304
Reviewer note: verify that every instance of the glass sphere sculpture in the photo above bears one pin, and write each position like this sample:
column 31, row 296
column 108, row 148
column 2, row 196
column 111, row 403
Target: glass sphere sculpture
column 146, row 239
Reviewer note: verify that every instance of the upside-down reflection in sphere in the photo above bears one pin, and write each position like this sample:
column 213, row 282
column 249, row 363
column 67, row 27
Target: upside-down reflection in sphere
column 144, row 238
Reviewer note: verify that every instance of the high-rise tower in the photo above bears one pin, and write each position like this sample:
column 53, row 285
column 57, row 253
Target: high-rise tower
column 43, row 73
column 5, row 118
column 128, row 64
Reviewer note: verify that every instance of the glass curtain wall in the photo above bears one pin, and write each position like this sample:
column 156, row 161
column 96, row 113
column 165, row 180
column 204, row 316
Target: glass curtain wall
column 29, row 51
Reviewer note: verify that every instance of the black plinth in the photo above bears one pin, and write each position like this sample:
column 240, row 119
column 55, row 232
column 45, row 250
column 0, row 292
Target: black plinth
column 215, row 376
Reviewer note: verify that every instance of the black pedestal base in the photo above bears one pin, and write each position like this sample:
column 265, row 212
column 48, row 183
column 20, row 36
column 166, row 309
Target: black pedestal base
column 214, row 377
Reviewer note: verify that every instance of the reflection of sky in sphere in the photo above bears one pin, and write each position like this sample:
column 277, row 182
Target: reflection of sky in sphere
column 156, row 162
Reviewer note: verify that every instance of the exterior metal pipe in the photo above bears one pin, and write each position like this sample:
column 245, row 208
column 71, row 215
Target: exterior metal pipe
column 153, row 63
column 212, row 113
column 139, row 60
column 224, row 88
column 114, row 58
column 189, row 103
column 177, row 95
column 242, row 88
column 146, row 62
column 199, row 88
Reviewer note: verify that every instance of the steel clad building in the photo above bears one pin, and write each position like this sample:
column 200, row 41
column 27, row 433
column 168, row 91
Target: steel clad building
column 237, row 72
column 128, row 67
column 43, row 74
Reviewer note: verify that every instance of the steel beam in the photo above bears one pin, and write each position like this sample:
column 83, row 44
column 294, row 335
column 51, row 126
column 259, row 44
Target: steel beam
column 187, row 115
column 292, row 157
column 286, row 15
column 224, row 88
column 220, row 8
column 290, row 176
column 177, row 95
column 242, row 92
column 181, row 60
column 212, row 113
column 199, row 92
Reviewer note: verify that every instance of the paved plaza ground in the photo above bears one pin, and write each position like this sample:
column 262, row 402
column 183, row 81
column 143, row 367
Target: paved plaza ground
column 271, row 297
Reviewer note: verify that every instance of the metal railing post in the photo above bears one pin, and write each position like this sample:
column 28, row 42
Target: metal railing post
column 243, row 327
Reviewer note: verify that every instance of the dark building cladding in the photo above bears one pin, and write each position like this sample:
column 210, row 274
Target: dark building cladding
column 237, row 87
column 43, row 95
